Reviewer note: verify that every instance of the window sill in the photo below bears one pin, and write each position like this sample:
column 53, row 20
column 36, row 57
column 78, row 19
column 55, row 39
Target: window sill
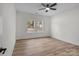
column 35, row 31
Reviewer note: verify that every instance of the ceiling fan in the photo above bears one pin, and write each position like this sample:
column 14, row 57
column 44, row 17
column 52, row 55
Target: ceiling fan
column 48, row 6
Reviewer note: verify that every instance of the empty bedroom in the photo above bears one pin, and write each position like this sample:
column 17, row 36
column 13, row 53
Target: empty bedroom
column 39, row 29
column 47, row 29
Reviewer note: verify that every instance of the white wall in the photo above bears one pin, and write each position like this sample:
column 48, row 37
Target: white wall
column 9, row 21
column 21, row 26
column 0, row 26
column 65, row 26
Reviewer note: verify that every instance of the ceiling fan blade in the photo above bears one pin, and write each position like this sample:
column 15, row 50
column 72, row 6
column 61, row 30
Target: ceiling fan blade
column 43, row 4
column 53, row 8
column 42, row 8
column 47, row 5
column 53, row 4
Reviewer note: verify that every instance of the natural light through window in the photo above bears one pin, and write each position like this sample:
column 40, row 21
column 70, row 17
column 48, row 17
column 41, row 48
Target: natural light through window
column 34, row 26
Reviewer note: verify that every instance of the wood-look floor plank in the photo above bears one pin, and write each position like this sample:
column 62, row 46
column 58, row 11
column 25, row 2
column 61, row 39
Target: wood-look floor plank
column 45, row 47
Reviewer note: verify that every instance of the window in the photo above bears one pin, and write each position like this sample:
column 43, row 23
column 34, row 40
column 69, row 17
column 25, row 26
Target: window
column 34, row 26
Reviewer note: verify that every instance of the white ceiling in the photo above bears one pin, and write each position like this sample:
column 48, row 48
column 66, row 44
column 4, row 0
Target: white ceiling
column 33, row 8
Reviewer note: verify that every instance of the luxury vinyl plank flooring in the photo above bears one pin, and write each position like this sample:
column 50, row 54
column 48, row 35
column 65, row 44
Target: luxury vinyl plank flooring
column 45, row 47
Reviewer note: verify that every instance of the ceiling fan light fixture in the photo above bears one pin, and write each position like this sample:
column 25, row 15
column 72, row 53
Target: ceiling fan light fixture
column 47, row 8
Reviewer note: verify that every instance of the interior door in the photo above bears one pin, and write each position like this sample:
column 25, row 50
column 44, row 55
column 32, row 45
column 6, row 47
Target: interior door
column 7, row 28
